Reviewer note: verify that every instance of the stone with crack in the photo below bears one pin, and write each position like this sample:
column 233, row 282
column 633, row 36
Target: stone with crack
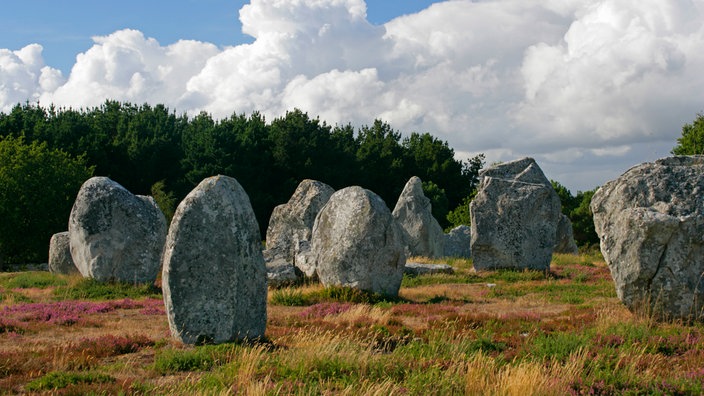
column 514, row 218
column 650, row 222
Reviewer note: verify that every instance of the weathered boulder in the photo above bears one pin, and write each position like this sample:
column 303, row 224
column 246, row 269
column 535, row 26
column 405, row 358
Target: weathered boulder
column 514, row 217
column 60, row 260
column 291, row 224
column 650, row 223
column 115, row 235
column 564, row 238
column 214, row 278
column 416, row 269
column 457, row 242
column 280, row 273
column 422, row 234
column 357, row 243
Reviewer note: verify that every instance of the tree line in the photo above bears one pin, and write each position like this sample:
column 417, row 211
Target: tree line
column 47, row 153
column 151, row 150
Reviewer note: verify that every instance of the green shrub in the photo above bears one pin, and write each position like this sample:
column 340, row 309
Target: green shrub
column 38, row 185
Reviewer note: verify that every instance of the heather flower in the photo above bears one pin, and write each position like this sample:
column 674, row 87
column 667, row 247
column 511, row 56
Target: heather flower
column 325, row 309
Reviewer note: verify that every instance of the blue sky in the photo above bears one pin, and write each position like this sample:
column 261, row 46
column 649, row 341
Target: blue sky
column 65, row 28
column 588, row 88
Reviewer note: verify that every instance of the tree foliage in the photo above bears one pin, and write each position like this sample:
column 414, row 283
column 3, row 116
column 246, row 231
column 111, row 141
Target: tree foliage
column 151, row 150
column 692, row 140
column 576, row 207
column 37, row 188
column 460, row 214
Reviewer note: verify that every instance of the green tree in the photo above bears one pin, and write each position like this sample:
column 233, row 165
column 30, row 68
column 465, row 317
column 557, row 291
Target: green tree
column 438, row 200
column 433, row 160
column 569, row 203
column 470, row 170
column 381, row 161
column 692, row 140
column 237, row 147
column 460, row 215
column 165, row 199
column 37, row 188
column 582, row 220
column 576, row 208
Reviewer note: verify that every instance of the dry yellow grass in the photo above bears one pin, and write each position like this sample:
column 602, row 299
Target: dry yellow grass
column 485, row 376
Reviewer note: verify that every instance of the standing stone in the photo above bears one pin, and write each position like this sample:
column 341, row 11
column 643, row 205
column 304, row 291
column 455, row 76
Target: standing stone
column 60, row 260
column 457, row 242
column 357, row 243
column 514, row 217
column 564, row 239
column 650, row 222
column 115, row 235
column 422, row 235
column 291, row 225
column 214, row 278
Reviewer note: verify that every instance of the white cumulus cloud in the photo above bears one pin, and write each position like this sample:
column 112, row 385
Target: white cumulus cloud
column 587, row 87
column 23, row 76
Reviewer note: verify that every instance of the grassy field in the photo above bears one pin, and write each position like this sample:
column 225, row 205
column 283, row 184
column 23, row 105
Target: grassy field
column 501, row 333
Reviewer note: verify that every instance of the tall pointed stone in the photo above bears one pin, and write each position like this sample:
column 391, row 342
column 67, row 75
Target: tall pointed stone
column 422, row 234
column 214, row 278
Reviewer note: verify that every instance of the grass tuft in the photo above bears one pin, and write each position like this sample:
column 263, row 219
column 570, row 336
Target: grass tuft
column 90, row 289
column 289, row 297
column 199, row 358
column 32, row 279
column 59, row 380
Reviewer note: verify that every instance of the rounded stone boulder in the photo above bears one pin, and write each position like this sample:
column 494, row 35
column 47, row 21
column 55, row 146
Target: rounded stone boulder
column 650, row 223
column 115, row 235
column 356, row 243
column 214, row 278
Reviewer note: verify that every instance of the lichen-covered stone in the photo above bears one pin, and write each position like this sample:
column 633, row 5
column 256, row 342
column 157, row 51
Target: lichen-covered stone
column 422, row 234
column 356, row 243
column 291, row 225
column 564, row 239
column 280, row 273
column 514, row 217
column 457, row 242
column 115, row 235
column 650, row 223
column 60, row 260
column 415, row 269
column 214, row 277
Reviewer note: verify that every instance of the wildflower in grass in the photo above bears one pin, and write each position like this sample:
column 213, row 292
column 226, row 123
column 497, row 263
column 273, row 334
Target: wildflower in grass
column 10, row 326
column 324, row 309
column 152, row 306
column 526, row 316
column 110, row 345
column 126, row 303
column 69, row 312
